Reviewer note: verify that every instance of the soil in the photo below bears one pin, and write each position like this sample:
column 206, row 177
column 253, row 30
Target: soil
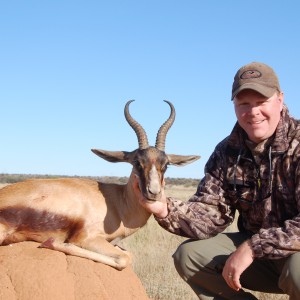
column 31, row 273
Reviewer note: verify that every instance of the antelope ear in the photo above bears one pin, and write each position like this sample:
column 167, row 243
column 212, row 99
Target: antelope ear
column 181, row 160
column 113, row 156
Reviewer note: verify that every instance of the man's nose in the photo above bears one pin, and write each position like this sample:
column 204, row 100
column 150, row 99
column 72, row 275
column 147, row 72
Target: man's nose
column 253, row 110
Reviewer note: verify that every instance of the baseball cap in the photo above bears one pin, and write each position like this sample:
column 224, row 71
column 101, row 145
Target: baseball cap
column 258, row 77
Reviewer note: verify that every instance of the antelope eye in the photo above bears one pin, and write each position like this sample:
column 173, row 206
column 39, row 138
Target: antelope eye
column 164, row 168
column 137, row 165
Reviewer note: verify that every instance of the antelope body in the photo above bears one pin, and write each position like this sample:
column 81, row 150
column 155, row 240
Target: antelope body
column 85, row 217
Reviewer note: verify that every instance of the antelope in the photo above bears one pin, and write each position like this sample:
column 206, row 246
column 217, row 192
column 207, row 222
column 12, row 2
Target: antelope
column 85, row 217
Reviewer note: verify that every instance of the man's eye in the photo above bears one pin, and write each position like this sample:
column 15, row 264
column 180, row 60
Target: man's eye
column 261, row 102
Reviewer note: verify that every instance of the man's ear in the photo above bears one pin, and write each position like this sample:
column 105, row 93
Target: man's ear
column 281, row 99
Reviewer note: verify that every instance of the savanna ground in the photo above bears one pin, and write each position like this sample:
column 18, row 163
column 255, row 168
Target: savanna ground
column 152, row 248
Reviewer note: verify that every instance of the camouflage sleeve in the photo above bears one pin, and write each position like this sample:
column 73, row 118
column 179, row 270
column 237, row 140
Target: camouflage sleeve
column 275, row 243
column 207, row 212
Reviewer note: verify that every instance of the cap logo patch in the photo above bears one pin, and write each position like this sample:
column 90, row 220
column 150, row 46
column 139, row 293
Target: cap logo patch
column 250, row 74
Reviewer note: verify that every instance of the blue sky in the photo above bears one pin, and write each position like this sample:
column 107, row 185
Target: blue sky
column 67, row 68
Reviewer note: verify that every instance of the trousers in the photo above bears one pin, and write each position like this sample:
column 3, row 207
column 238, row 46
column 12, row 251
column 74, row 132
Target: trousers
column 200, row 264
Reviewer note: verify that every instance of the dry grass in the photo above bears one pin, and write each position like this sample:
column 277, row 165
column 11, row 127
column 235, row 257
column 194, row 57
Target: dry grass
column 152, row 249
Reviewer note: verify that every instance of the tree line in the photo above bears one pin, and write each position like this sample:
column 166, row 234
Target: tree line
column 13, row 178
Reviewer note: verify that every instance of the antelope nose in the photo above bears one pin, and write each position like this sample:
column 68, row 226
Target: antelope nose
column 154, row 189
column 154, row 183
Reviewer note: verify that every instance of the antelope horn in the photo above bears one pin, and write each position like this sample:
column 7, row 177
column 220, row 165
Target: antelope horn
column 139, row 130
column 163, row 130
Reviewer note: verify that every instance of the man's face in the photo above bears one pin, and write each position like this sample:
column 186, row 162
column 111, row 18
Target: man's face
column 258, row 115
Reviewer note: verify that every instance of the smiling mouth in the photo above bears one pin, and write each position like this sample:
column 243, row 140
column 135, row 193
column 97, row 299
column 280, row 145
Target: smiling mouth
column 256, row 122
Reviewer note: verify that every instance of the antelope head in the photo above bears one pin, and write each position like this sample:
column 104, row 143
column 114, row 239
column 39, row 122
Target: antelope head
column 149, row 163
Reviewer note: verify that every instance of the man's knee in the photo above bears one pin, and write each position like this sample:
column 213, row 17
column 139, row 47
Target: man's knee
column 191, row 257
column 181, row 258
column 289, row 280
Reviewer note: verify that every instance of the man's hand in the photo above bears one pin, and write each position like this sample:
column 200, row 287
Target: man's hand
column 158, row 208
column 236, row 264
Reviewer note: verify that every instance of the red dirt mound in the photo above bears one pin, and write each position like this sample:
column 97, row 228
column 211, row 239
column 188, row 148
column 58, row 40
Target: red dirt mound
column 31, row 273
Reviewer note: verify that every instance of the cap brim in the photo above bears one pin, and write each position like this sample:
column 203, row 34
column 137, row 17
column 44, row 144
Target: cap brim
column 265, row 91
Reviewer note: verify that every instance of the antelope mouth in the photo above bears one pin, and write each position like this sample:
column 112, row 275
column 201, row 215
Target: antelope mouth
column 149, row 197
column 149, row 200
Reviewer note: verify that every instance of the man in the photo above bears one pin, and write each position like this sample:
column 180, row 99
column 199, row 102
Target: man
column 255, row 171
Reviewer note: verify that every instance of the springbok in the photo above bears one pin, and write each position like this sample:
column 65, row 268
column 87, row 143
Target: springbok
column 84, row 217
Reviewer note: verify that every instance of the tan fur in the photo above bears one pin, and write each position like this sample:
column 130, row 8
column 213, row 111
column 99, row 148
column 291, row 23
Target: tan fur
column 108, row 211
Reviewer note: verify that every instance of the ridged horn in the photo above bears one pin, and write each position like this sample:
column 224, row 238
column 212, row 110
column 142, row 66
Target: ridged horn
column 163, row 130
column 139, row 130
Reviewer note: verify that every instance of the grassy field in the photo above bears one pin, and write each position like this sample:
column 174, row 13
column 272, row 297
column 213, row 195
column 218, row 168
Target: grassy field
column 152, row 248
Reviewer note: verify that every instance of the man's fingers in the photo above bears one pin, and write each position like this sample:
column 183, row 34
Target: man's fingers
column 233, row 281
column 236, row 283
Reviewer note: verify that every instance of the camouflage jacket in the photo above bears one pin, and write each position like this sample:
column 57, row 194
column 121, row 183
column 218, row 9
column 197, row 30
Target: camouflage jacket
column 261, row 182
